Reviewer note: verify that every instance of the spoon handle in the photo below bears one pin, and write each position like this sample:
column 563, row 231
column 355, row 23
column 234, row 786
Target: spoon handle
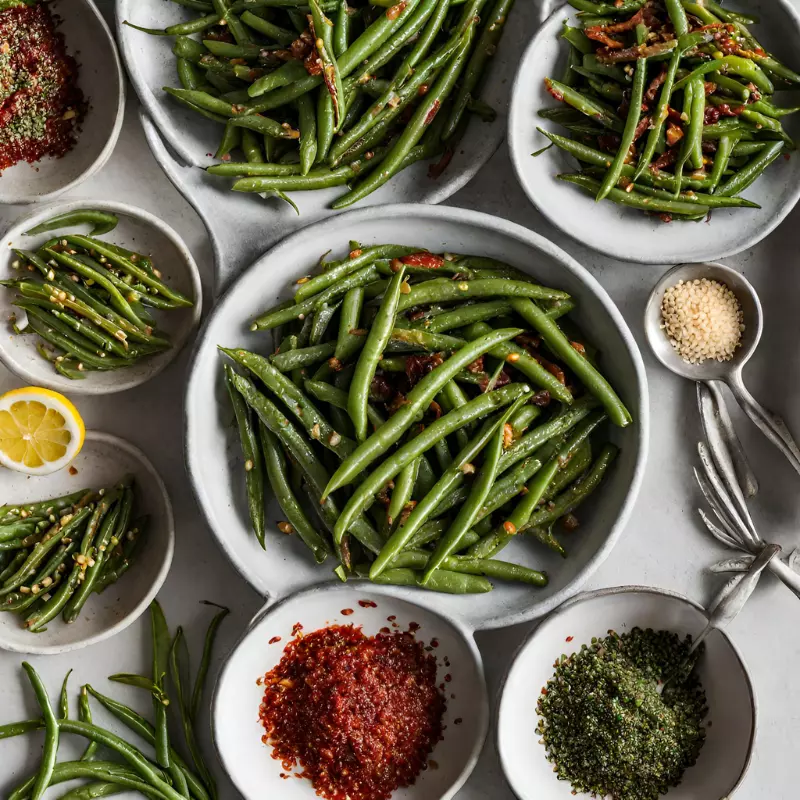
column 725, row 446
column 771, row 425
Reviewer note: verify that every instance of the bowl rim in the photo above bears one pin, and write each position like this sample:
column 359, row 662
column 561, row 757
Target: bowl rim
column 186, row 257
column 610, row 591
column 331, row 587
column 519, row 154
column 478, row 220
column 23, row 198
column 160, row 578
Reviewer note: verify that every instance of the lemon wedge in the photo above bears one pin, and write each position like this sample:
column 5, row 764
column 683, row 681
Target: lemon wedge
column 40, row 431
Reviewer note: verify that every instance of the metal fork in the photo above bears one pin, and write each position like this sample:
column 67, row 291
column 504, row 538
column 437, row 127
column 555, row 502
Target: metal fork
column 720, row 486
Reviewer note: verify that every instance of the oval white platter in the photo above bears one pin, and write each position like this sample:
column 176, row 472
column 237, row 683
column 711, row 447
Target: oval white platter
column 626, row 233
column 100, row 77
column 137, row 230
column 103, row 462
column 731, row 721
column 238, row 731
column 213, row 454
column 242, row 227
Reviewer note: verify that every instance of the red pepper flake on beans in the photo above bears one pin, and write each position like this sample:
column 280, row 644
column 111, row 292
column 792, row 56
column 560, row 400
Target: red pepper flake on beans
column 40, row 102
column 426, row 260
column 367, row 604
column 359, row 715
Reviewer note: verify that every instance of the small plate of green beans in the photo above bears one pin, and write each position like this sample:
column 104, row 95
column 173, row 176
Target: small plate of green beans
column 83, row 550
column 372, row 455
column 661, row 133
column 96, row 298
column 329, row 104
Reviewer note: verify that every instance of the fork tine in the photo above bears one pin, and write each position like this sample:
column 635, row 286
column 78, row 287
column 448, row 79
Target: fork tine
column 719, row 511
column 723, row 498
column 717, row 532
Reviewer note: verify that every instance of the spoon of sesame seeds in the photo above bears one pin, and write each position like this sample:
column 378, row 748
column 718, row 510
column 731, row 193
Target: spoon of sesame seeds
column 704, row 322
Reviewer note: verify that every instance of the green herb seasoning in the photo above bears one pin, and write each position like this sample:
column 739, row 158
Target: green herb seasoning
column 607, row 727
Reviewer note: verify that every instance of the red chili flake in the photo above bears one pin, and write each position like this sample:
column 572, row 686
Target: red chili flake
column 434, row 110
column 396, row 10
column 41, row 104
column 296, row 628
column 552, row 368
column 643, row 125
column 598, row 34
column 549, row 86
column 541, row 398
column 570, row 523
column 711, row 115
column 570, row 638
column 274, row 639
column 385, row 630
column 425, row 260
column 72, row 471
column 367, row 604
column 448, row 678
column 346, row 612
column 434, row 642
column 360, row 715
column 419, row 365
column 413, row 627
column 544, row 691
column 666, row 218
column 392, row 618
column 652, row 90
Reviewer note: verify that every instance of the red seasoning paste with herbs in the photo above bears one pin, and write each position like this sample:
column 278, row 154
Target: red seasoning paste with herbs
column 358, row 714
column 40, row 102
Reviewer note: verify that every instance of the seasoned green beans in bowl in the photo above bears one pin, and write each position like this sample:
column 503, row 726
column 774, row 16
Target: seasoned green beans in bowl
column 412, row 409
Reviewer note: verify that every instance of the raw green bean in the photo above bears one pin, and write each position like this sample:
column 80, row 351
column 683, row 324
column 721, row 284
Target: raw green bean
column 205, row 661
column 85, row 715
column 63, row 701
column 101, row 222
column 51, row 725
column 161, row 646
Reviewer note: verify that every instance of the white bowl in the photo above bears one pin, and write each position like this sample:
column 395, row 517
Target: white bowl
column 236, row 727
column 151, row 66
column 626, row 233
column 100, row 77
column 102, row 462
column 137, row 230
column 726, row 754
column 213, row 452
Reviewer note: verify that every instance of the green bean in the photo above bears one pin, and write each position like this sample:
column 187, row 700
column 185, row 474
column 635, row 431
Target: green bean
column 180, row 29
column 253, row 463
column 307, row 123
column 736, row 65
column 374, row 345
column 161, row 648
column 143, row 728
column 490, row 568
column 51, row 724
column 267, row 126
column 465, row 315
column 19, row 728
column 341, row 29
column 417, row 400
column 281, row 487
column 633, row 199
column 590, row 108
column 468, row 513
column 743, row 148
column 365, row 492
column 274, row 32
column 607, row 9
column 348, row 343
column 285, row 75
column 85, row 715
column 569, row 500
column 441, row 581
column 338, row 398
column 747, row 175
column 302, row 357
column 485, row 48
column 709, row 200
column 776, row 68
column 443, row 291
column 63, row 702
column 251, row 147
column 205, row 661
column 101, row 222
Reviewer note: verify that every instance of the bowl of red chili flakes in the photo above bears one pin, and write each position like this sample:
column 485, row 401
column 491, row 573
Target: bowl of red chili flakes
column 62, row 97
column 357, row 693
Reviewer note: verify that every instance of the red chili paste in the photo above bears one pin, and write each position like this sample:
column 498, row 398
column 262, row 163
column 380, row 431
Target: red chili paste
column 359, row 714
column 40, row 102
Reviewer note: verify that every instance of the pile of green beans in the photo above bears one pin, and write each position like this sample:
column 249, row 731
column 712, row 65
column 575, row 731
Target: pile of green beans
column 325, row 93
column 669, row 107
column 88, row 299
column 419, row 411
column 162, row 775
column 54, row 554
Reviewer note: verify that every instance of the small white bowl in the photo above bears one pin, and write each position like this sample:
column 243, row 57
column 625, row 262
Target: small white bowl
column 137, row 230
column 103, row 461
column 236, row 727
column 726, row 754
column 626, row 233
column 100, row 78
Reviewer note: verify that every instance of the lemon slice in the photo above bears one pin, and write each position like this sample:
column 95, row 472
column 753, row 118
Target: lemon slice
column 40, row 431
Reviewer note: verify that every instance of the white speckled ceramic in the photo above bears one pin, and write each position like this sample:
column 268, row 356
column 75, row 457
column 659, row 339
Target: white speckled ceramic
column 726, row 754
column 137, row 230
column 90, row 42
column 213, row 454
column 238, row 732
column 626, row 233
column 261, row 223
column 103, row 461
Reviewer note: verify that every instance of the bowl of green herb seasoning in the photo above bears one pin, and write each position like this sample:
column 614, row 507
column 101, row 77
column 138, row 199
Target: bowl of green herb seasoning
column 582, row 708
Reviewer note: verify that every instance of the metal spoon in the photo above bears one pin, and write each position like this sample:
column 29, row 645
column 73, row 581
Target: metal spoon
column 714, row 373
column 726, row 607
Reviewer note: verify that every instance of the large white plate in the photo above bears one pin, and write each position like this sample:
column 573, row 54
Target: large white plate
column 626, row 233
column 213, row 454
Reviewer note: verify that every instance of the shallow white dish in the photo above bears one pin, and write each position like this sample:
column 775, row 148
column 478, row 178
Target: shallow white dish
column 213, row 454
column 100, row 77
column 243, row 226
column 236, row 727
column 137, row 230
column 102, row 462
column 626, row 233
column 726, row 754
